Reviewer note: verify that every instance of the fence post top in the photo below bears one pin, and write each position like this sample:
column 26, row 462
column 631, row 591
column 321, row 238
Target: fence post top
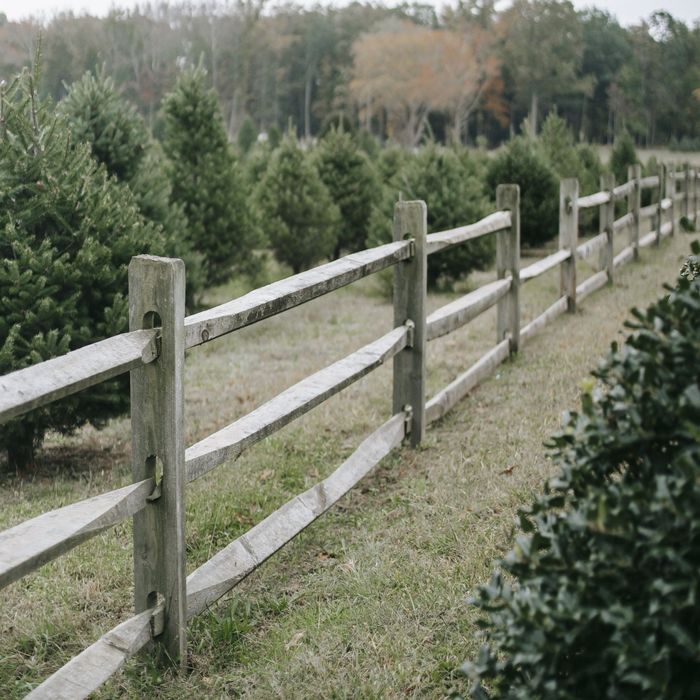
column 156, row 261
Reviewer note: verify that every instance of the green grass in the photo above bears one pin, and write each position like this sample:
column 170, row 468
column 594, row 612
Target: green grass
column 370, row 600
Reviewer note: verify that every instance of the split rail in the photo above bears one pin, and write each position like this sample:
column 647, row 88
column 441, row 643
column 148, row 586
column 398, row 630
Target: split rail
column 153, row 351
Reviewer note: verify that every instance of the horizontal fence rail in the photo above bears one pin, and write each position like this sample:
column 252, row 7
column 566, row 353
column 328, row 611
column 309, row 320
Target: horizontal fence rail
column 288, row 293
column 162, row 465
column 54, row 379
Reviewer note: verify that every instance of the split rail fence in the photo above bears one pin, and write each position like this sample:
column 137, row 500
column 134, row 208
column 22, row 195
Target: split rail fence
column 166, row 598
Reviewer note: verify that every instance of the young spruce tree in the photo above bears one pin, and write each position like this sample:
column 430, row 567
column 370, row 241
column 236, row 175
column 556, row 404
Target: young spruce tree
column 206, row 179
column 121, row 141
column 352, row 184
column 297, row 214
column 67, row 233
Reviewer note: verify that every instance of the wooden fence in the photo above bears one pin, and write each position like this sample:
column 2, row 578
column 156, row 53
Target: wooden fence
column 165, row 597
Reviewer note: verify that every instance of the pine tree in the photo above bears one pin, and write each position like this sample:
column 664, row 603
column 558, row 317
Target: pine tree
column 297, row 214
column 67, row 233
column 206, row 179
column 352, row 184
column 120, row 140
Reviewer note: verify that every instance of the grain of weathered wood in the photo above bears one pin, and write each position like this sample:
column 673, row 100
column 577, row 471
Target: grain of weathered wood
column 85, row 673
column 229, row 442
column 31, row 544
column 648, row 212
column 648, row 239
column 607, row 218
column 228, row 567
column 623, row 222
column 568, row 238
column 35, row 386
column 497, row 221
column 634, row 207
column 457, row 313
column 157, row 297
column 446, row 399
column 666, row 229
column 592, row 246
column 508, row 265
column 593, row 200
column 624, row 256
column 624, row 190
column 590, row 285
column 541, row 266
column 288, row 293
column 537, row 324
column 670, row 193
column 650, row 181
column 410, row 290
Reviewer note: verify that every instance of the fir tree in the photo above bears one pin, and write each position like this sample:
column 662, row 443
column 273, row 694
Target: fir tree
column 297, row 214
column 353, row 186
column 206, row 179
column 623, row 155
column 247, row 136
column 120, row 140
column 67, row 233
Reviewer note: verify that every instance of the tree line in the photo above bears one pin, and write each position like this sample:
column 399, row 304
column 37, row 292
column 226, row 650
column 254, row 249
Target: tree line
column 404, row 73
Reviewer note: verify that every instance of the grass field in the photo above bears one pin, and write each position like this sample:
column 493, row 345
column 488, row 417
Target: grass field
column 370, row 601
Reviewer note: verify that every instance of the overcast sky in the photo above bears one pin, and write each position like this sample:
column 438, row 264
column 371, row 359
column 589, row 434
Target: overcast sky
column 626, row 11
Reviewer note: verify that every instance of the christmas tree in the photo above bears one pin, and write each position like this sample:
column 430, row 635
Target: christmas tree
column 353, row 185
column 120, row 140
column 67, row 233
column 206, row 179
column 297, row 214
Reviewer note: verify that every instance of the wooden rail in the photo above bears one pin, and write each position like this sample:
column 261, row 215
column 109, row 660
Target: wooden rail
column 165, row 598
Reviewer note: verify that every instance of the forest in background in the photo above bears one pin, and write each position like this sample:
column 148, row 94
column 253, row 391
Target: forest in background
column 470, row 74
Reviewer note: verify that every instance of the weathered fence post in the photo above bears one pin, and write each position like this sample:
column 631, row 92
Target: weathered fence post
column 696, row 187
column 671, row 194
column 568, row 238
column 508, row 262
column 686, row 190
column 157, row 298
column 607, row 223
column 634, row 206
column 410, row 288
column 659, row 209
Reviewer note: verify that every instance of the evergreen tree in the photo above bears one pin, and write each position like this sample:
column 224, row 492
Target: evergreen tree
column 453, row 190
column 67, row 233
column 352, row 185
column 623, row 155
column 206, row 179
column 520, row 162
column 120, row 140
column 247, row 136
column 297, row 214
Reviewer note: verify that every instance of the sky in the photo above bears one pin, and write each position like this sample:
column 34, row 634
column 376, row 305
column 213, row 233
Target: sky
column 627, row 11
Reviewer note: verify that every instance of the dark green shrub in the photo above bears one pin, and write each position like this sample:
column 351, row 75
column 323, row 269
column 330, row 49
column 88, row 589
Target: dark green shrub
column 247, row 136
column 623, row 155
column 521, row 163
column 352, row 184
column 296, row 212
column 599, row 597
column 67, row 233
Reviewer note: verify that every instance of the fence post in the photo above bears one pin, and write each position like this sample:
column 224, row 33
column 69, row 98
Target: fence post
column 634, row 205
column 568, row 238
column 607, row 223
column 686, row 190
column 662, row 194
column 410, row 288
column 696, row 180
column 671, row 193
column 508, row 262
column 157, row 298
